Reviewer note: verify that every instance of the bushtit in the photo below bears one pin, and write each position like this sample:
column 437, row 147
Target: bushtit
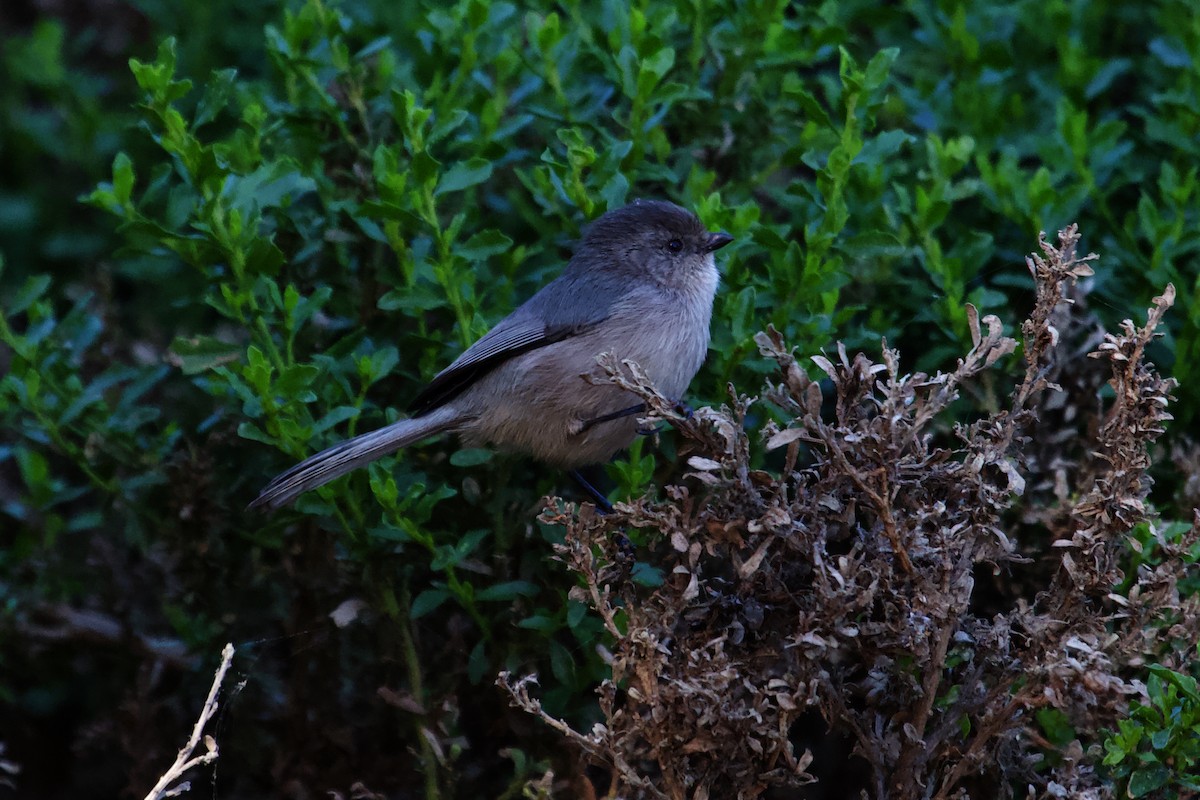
column 640, row 286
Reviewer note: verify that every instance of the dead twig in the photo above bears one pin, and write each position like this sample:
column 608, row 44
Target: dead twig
column 166, row 786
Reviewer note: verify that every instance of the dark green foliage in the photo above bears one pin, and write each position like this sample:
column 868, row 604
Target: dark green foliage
column 1158, row 747
column 285, row 231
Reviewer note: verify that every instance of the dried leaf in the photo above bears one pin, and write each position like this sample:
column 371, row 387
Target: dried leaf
column 784, row 437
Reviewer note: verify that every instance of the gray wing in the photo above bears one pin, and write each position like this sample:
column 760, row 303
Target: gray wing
column 565, row 307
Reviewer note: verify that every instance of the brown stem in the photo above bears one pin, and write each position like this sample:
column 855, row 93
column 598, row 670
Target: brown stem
column 882, row 506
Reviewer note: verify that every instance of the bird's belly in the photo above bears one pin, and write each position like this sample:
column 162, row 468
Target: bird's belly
column 540, row 403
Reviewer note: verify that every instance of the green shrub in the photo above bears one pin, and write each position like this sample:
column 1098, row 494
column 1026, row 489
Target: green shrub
column 1158, row 748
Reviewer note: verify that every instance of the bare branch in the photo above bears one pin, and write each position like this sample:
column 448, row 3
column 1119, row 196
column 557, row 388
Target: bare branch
column 167, row 786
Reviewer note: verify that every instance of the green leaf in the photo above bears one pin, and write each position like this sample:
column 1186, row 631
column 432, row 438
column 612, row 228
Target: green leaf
column 389, row 533
column 542, row 623
column 157, row 79
column 615, row 192
column 549, row 33
column 30, row 292
column 248, row 430
column 477, row 663
column 1147, row 779
column 740, row 311
column 1056, row 725
column 450, row 556
column 296, row 378
column 384, row 487
column 217, row 91
column 424, row 167
column 874, row 244
column 660, row 63
column 427, row 601
column 464, row 175
column 272, row 185
column 485, row 244
column 508, row 591
column 35, row 470
column 645, row 575
column 879, row 67
column 257, row 370
column 794, row 88
column 579, row 152
column 202, row 353
column 414, row 301
column 382, row 362
column 123, row 179
column 576, row 613
column 562, row 663
column 336, row 416
column 1185, row 683
column 471, row 457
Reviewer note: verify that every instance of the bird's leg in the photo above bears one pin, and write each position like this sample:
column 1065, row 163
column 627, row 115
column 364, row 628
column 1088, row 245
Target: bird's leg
column 625, row 549
column 681, row 408
column 601, row 501
column 624, row 412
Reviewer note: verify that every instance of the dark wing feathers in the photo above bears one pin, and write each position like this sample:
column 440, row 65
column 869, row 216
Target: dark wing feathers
column 500, row 344
column 570, row 304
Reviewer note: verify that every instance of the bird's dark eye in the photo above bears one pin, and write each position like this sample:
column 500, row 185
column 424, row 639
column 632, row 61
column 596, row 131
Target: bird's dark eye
column 675, row 245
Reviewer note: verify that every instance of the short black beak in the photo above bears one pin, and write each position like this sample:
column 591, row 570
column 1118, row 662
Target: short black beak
column 717, row 240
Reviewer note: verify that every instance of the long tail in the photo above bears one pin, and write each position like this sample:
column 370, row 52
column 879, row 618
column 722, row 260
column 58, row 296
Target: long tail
column 351, row 454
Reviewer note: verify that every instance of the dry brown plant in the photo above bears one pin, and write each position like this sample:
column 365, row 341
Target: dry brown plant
column 845, row 583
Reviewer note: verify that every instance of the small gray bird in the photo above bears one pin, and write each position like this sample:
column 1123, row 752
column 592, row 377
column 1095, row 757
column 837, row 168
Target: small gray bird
column 640, row 286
